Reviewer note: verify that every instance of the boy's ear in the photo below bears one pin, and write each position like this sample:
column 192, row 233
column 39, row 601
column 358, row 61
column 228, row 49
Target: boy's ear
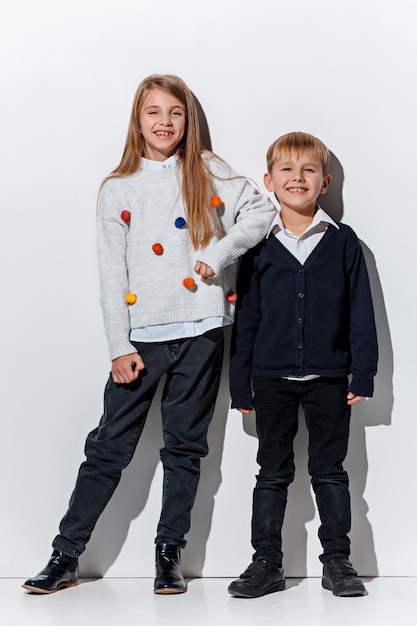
column 268, row 182
column 326, row 183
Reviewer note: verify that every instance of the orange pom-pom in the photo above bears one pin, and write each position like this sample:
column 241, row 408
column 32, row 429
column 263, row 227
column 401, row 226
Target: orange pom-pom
column 189, row 283
column 131, row 298
column 125, row 215
column 216, row 201
column 231, row 296
column 158, row 248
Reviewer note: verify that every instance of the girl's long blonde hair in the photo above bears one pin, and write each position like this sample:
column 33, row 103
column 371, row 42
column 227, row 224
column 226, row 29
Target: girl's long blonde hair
column 197, row 188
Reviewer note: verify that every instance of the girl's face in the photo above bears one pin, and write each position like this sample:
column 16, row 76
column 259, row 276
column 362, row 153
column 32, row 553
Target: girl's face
column 162, row 123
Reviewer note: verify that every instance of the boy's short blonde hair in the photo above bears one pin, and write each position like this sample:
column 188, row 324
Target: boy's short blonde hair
column 298, row 142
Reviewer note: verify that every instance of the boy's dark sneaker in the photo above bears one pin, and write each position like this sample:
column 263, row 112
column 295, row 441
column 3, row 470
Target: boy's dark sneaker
column 260, row 578
column 340, row 578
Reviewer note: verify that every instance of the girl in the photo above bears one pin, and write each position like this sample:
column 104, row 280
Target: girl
column 173, row 220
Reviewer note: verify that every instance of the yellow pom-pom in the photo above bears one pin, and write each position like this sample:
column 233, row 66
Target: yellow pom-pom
column 131, row 298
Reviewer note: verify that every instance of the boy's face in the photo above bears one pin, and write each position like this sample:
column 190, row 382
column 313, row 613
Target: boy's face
column 297, row 180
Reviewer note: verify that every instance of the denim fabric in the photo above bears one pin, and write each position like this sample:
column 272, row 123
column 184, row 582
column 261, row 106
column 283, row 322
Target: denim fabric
column 327, row 415
column 192, row 368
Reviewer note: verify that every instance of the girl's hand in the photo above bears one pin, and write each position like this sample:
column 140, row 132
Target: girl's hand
column 353, row 399
column 245, row 411
column 125, row 369
column 204, row 270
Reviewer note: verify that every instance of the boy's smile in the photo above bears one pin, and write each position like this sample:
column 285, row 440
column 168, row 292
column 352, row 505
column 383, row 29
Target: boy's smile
column 162, row 124
column 297, row 180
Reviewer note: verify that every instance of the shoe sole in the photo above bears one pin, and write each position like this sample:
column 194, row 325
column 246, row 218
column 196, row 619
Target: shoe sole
column 349, row 593
column 72, row 583
column 242, row 594
column 169, row 590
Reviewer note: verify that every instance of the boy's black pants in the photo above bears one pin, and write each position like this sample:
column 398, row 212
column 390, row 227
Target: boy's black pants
column 327, row 415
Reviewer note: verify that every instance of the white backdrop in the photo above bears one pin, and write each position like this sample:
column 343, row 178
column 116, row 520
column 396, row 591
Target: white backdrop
column 344, row 71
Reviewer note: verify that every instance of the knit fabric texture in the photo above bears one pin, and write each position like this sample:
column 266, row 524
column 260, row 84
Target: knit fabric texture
column 131, row 262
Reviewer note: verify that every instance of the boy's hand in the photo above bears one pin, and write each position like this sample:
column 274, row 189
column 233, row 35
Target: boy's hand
column 245, row 411
column 125, row 369
column 204, row 270
column 354, row 399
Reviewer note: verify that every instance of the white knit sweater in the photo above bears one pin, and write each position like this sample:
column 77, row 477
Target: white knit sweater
column 128, row 263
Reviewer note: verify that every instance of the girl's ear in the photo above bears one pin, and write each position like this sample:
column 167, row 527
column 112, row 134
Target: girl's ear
column 268, row 182
column 326, row 183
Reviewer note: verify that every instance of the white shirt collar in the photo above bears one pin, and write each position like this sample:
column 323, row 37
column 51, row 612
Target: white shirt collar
column 320, row 216
column 147, row 164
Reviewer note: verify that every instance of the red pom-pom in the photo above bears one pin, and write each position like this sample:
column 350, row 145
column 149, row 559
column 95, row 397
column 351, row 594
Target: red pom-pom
column 216, row 201
column 158, row 248
column 125, row 215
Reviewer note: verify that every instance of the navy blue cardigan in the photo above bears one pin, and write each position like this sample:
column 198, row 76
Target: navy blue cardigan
column 293, row 319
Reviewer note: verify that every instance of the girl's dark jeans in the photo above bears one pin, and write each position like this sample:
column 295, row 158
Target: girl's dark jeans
column 192, row 368
column 327, row 415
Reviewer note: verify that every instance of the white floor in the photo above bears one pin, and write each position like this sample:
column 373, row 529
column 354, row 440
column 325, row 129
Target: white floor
column 131, row 601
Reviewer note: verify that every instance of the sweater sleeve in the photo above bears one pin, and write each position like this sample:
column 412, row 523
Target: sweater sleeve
column 114, row 283
column 252, row 214
column 363, row 336
column 245, row 328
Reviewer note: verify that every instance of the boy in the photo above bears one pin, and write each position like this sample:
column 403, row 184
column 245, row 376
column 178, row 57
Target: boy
column 304, row 322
